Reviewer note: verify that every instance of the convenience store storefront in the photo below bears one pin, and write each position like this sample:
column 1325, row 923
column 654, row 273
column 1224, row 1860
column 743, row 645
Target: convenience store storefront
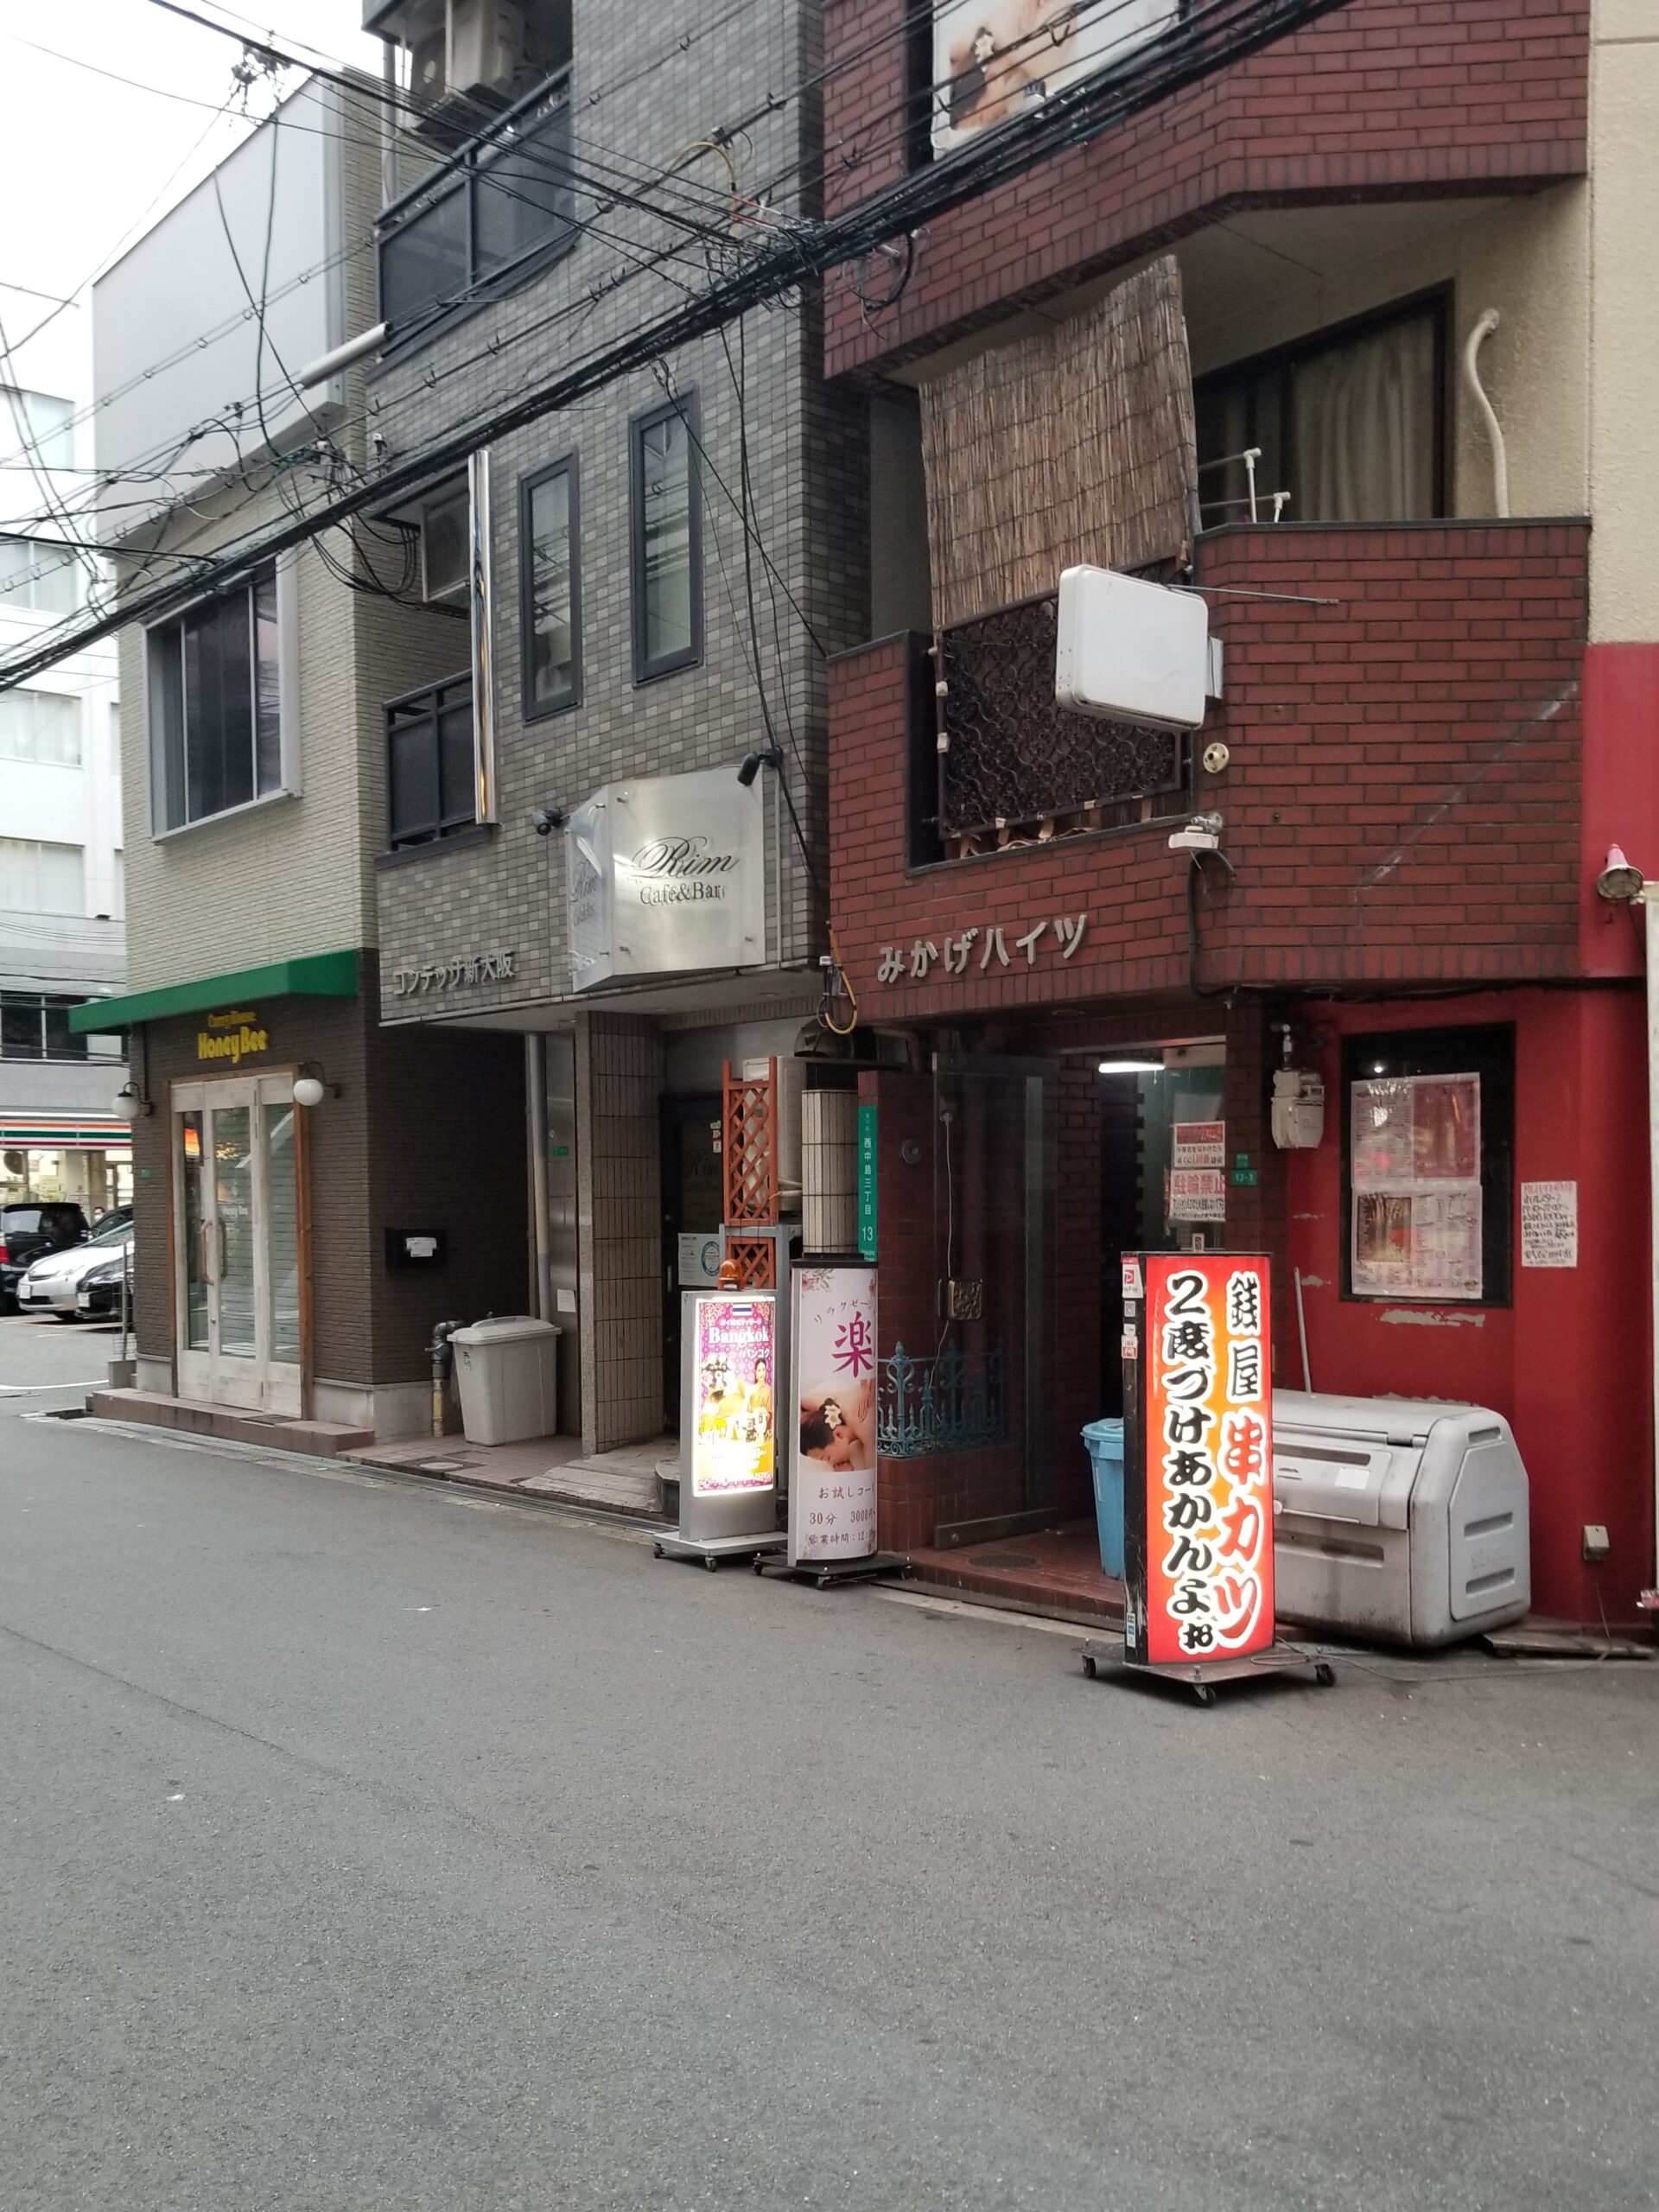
column 84, row 1159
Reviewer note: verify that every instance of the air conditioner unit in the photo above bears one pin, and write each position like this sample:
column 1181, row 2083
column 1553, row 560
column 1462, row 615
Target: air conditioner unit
column 429, row 66
column 489, row 43
column 446, row 549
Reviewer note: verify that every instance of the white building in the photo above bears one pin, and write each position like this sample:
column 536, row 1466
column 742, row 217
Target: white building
column 61, row 898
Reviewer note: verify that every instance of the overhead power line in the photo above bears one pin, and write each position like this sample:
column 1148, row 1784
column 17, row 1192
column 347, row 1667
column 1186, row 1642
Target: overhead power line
column 1210, row 38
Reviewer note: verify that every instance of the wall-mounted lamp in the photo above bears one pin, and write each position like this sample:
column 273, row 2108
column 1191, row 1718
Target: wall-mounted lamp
column 131, row 1102
column 310, row 1090
column 770, row 756
column 1618, row 882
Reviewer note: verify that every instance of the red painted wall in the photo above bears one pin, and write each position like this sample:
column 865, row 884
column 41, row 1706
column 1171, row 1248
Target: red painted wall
column 1569, row 1363
column 1621, row 795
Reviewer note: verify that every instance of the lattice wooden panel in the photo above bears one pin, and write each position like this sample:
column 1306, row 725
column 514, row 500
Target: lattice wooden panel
column 755, row 1259
column 749, row 1151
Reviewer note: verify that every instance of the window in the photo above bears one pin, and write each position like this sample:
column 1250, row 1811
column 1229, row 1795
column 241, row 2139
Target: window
column 41, row 879
column 215, row 720
column 36, row 1027
column 499, row 209
column 41, row 726
column 37, row 427
column 1428, row 1147
column 667, row 541
column 550, row 594
column 38, row 575
column 1351, row 423
column 431, row 770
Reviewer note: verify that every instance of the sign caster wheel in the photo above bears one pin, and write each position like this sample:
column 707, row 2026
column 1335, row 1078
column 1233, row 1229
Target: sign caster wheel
column 759, row 1563
column 1325, row 1675
column 1090, row 1667
column 657, row 1551
column 1203, row 1694
column 712, row 1563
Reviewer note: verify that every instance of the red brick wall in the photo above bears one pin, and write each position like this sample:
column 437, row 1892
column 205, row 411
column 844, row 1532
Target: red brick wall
column 1401, row 801
column 1400, row 99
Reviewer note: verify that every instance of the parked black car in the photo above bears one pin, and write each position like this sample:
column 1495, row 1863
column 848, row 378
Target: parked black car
column 99, row 1297
column 30, row 1229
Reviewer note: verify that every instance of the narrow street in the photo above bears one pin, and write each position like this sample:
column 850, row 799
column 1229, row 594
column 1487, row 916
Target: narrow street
column 370, row 1844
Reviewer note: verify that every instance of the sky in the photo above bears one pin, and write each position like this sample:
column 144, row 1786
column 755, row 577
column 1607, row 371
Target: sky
column 86, row 154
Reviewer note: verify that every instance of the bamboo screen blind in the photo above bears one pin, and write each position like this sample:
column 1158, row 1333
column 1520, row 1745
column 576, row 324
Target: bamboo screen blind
column 1074, row 445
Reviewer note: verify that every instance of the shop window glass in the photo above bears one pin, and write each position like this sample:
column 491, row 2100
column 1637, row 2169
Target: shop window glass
column 1428, row 1151
column 549, row 549
column 215, row 704
column 667, row 551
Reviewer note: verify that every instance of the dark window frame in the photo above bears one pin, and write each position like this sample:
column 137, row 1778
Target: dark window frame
column 465, row 171
column 1487, row 1049
column 403, row 717
column 41, row 1005
column 685, row 405
column 537, row 709
column 169, row 748
column 1438, row 299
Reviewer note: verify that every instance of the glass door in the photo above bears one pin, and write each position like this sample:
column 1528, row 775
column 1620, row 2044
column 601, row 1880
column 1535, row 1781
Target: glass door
column 237, row 1242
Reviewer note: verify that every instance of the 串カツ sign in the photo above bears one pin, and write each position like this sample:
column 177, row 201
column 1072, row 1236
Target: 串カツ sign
column 1198, row 1459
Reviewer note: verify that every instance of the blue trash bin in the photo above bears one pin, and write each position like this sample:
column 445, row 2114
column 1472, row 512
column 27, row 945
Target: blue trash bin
column 1105, row 1442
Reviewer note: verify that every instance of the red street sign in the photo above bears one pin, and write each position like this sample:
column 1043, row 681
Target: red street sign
column 1198, row 1460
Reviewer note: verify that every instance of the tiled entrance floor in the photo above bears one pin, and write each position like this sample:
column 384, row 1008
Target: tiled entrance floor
column 1057, row 1572
column 623, row 1481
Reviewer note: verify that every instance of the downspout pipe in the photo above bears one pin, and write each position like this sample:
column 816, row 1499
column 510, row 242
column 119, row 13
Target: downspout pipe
column 1476, row 337
column 1621, row 884
column 536, row 1115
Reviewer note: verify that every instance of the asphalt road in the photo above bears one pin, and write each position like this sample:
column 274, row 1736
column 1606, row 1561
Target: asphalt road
column 46, row 1365
column 369, row 1846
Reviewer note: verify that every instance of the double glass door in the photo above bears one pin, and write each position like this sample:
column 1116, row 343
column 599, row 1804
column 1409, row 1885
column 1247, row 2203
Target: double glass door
column 237, row 1242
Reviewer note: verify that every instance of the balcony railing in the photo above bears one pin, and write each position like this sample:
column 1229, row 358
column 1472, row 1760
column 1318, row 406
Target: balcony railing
column 1014, row 763
column 502, row 201
column 431, row 781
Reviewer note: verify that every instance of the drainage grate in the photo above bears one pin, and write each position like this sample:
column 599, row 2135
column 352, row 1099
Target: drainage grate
column 1001, row 1559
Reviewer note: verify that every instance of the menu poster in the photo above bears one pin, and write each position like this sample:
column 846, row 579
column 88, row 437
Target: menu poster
column 1415, row 1162
column 736, row 1361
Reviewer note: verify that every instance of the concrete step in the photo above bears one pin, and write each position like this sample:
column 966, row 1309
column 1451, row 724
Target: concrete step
column 323, row 1440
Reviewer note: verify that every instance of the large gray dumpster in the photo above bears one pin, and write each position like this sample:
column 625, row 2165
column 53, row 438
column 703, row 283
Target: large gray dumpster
column 1400, row 1518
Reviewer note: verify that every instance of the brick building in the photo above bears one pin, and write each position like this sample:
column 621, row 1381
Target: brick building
column 1439, row 707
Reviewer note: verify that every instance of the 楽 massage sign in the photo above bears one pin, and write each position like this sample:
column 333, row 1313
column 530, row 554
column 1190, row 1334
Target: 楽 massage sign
column 1198, row 1505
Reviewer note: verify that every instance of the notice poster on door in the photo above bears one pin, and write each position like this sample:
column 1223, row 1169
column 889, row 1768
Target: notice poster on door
column 1197, row 1194
column 733, row 1368
column 1198, row 1461
column 832, row 1445
column 1198, row 1144
column 1415, row 1230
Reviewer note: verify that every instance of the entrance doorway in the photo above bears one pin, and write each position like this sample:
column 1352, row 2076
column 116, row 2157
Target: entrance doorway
column 694, row 1205
column 236, row 1243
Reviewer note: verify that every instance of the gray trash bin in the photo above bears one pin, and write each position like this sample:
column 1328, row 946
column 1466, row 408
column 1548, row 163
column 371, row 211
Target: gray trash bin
column 1400, row 1518
column 506, row 1374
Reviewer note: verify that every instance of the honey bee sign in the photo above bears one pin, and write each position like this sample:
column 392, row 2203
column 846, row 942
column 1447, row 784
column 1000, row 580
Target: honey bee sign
column 1198, row 1461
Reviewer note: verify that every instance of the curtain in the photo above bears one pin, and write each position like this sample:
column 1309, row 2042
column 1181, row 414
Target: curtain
column 1363, row 416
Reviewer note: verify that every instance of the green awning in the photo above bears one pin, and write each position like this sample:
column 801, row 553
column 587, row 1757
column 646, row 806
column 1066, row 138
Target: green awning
column 319, row 976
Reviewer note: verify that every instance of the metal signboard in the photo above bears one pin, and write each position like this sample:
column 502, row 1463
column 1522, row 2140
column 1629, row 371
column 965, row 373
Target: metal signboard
column 832, row 1414
column 866, row 1177
column 666, row 876
column 996, row 58
column 728, row 1475
column 1198, row 1460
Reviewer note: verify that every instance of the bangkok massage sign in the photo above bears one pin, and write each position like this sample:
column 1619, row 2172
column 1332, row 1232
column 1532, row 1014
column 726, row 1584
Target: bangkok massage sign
column 664, row 877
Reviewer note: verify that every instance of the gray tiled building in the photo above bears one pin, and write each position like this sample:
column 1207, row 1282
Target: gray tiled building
column 656, row 576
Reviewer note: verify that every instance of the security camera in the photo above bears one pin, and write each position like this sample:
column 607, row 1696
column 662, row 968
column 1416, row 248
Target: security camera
column 544, row 820
column 1619, row 880
column 1201, row 834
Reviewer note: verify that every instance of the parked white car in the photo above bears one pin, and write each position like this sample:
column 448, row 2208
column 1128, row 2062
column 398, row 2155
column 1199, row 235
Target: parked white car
column 51, row 1285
